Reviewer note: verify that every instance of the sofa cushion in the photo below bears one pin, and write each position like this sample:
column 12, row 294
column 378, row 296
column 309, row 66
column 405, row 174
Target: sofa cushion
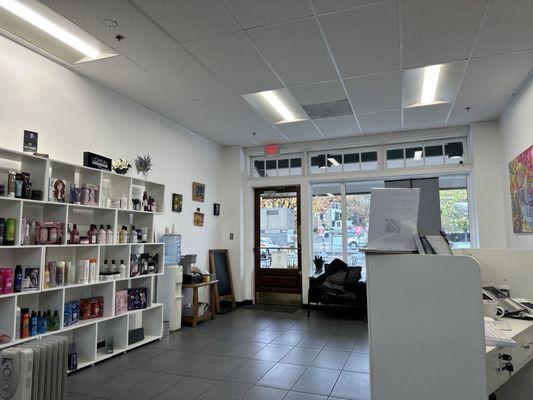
column 352, row 277
column 336, row 281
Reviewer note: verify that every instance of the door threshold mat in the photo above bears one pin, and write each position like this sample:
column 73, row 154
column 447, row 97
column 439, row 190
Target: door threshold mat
column 271, row 307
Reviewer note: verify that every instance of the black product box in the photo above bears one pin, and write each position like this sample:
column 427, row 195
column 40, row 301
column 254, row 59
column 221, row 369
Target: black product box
column 135, row 335
column 137, row 298
column 97, row 161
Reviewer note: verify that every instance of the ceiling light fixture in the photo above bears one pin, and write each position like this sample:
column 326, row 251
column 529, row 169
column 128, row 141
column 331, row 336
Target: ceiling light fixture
column 418, row 155
column 330, row 194
column 431, row 80
column 27, row 14
column 278, row 105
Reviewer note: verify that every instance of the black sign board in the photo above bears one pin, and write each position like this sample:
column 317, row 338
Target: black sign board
column 97, row 161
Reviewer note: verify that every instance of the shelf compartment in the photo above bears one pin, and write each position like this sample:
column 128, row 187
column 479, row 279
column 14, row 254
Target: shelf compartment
column 115, row 329
column 116, row 253
column 7, row 322
column 43, row 301
column 72, row 254
column 44, row 212
column 23, row 162
column 11, row 209
column 156, row 190
column 85, row 340
column 138, row 220
column 151, row 320
column 72, row 173
column 114, row 186
column 144, row 281
column 104, row 289
column 140, row 248
column 85, row 216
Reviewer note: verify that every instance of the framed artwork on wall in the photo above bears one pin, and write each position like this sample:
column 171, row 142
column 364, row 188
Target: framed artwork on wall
column 198, row 192
column 521, row 187
column 198, row 219
column 177, row 202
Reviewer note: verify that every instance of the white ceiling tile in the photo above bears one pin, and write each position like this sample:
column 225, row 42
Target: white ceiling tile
column 425, row 117
column 494, row 76
column 507, row 27
column 436, row 31
column 193, row 116
column 235, row 61
column 364, row 40
column 479, row 110
column 300, row 131
column 386, row 121
column 128, row 78
column 139, row 32
column 292, row 49
column 323, row 6
column 335, row 127
column 187, row 20
column 234, row 110
column 375, row 93
column 267, row 135
column 177, row 67
column 319, row 93
column 252, row 13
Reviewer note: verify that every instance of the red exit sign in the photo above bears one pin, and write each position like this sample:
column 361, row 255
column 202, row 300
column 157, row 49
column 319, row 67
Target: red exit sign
column 272, row 149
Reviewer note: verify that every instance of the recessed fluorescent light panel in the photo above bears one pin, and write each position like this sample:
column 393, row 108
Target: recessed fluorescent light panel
column 434, row 84
column 36, row 25
column 276, row 106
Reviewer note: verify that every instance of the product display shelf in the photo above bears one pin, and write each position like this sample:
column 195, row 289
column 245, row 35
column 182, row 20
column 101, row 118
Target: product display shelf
column 86, row 333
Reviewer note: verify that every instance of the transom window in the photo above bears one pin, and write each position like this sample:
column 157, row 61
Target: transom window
column 267, row 167
column 353, row 160
column 424, row 154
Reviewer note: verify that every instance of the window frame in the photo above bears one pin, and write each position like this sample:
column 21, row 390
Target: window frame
column 281, row 157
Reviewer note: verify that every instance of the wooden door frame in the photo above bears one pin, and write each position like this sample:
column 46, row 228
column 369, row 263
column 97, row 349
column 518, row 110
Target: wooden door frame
column 257, row 238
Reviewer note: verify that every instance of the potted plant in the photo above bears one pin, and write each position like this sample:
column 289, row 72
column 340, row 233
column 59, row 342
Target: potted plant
column 319, row 264
column 143, row 164
column 121, row 166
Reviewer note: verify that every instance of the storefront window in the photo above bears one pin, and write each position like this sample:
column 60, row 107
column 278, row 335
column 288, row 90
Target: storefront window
column 327, row 222
column 454, row 217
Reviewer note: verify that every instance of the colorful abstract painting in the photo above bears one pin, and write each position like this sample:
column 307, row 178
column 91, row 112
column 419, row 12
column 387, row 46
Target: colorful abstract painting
column 521, row 185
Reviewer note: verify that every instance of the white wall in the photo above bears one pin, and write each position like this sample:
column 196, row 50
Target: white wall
column 486, row 185
column 516, row 125
column 73, row 114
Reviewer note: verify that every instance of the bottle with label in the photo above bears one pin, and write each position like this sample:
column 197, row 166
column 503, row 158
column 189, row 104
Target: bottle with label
column 123, row 235
column 39, row 322
column 17, row 323
column 25, row 323
column 145, row 201
column 18, row 279
column 123, row 202
column 72, row 357
column 123, row 269
column 52, row 235
column 113, row 269
column 33, row 324
column 47, row 276
column 133, row 235
column 44, row 323
column 10, row 226
column 74, row 235
column 109, row 235
column 102, row 235
column 91, row 234
column 2, row 225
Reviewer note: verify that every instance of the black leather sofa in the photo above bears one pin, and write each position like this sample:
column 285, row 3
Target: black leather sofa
column 331, row 288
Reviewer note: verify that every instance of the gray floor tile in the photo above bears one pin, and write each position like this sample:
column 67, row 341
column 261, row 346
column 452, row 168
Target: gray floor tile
column 189, row 364
column 272, row 352
column 187, row 388
column 301, row 355
column 331, row 359
column 357, row 362
column 317, row 381
column 266, row 336
column 289, row 338
column 112, row 387
column 361, row 346
column 162, row 361
column 304, row 396
column 245, row 349
column 225, row 391
column 341, row 343
column 217, row 368
column 250, row 371
column 282, row 376
column 353, row 386
column 147, row 389
column 313, row 340
column 219, row 347
column 264, row 393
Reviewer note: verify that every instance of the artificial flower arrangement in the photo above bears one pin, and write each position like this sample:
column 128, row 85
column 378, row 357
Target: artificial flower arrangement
column 143, row 164
column 121, row 166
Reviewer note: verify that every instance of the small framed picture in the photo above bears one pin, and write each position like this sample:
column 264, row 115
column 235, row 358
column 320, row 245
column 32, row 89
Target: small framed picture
column 198, row 219
column 177, row 202
column 198, row 192
column 30, row 141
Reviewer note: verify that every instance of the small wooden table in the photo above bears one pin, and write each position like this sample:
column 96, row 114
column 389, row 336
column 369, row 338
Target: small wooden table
column 213, row 295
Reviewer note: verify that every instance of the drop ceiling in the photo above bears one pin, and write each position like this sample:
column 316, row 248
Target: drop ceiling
column 191, row 60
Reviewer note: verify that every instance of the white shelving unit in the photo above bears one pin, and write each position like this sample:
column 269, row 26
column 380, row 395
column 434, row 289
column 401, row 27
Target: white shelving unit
column 86, row 333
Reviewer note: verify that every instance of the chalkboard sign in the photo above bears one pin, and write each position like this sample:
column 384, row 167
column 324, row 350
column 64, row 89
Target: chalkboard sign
column 220, row 266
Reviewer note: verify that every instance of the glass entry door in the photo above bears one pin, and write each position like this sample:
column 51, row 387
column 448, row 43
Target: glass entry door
column 277, row 245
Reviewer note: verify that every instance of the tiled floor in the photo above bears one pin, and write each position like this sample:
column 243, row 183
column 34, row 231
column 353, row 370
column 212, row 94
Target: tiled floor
column 245, row 354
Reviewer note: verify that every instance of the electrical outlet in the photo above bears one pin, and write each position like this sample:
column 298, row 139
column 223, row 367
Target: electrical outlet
column 231, row 236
